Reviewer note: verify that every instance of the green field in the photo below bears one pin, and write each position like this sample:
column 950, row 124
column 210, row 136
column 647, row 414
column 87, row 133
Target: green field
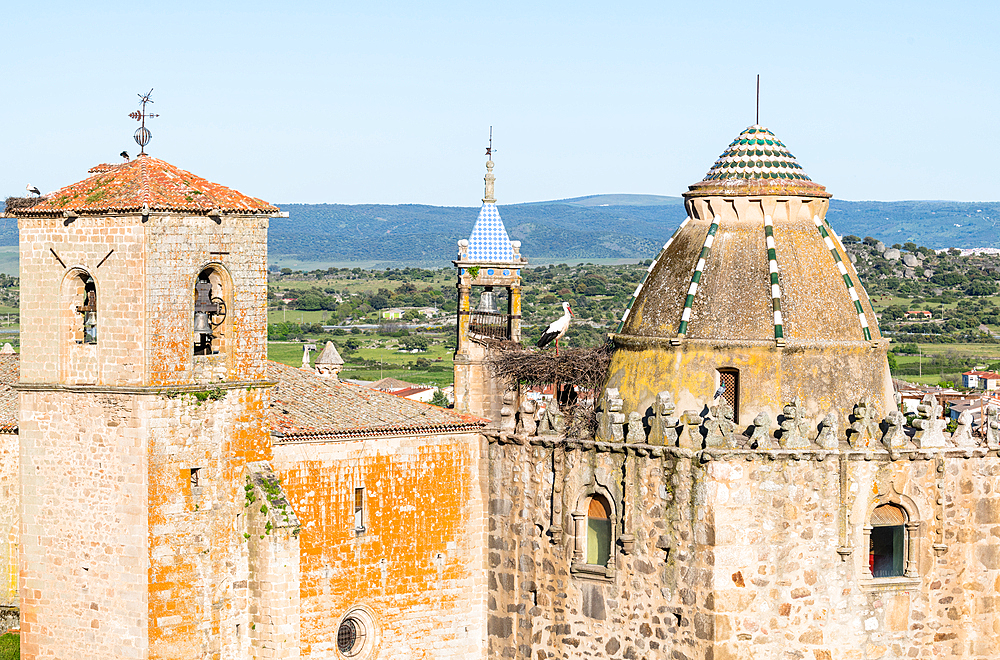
column 297, row 316
column 383, row 351
column 10, row 647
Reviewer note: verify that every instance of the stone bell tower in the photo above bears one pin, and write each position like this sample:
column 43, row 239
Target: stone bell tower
column 489, row 270
column 142, row 399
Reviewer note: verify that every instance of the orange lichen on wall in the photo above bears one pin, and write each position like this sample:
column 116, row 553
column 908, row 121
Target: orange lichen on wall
column 416, row 564
column 197, row 550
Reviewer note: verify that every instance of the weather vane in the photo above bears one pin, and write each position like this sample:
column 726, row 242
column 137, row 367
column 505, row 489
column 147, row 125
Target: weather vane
column 489, row 149
column 142, row 135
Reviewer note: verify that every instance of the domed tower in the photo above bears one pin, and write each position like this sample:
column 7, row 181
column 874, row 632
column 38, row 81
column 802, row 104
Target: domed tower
column 754, row 292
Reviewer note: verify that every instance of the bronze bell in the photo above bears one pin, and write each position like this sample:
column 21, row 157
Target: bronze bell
column 90, row 328
column 201, row 324
column 488, row 302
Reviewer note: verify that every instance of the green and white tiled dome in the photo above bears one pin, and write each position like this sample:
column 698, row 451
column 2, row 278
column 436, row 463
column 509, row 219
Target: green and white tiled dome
column 757, row 163
column 756, row 154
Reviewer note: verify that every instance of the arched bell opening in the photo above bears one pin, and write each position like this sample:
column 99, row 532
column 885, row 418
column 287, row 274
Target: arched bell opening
column 211, row 322
column 79, row 331
column 491, row 318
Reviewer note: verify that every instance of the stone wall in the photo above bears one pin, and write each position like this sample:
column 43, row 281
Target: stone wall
column 739, row 554
column 177, row 249
column 51, row 251
column 145, row 273
column 199, row 554
column 84, row 521
column 10, row 527
column 417, row 567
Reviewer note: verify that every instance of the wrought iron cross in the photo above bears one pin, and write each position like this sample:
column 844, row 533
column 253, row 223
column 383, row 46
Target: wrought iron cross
column 489, row 149
column 142, row 135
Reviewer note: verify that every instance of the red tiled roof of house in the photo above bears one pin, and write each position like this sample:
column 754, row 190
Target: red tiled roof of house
column 991, row 375
column 389, row 384
column 146, row 182
column 306, row 407
column 410, row 391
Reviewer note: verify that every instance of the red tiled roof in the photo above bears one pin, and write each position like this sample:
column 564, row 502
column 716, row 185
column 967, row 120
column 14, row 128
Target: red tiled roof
column 388, row 384
column 150, row 182
column 410, row 391
column 305, row 406
column 990, row 375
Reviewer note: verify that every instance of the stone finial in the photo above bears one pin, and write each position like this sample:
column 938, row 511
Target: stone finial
column 556, row 421
column 929, row 425
column 721, row 429
column 611, row 419
column 793, row 426
column 636, row 431
column 542, row 421
column 329, row 363
column 663, row 425
column 526, row 422
column 508, row 420
column 7, row 349
column 761, row 436
column 894, row 437
column 489, row 198
column 827, row 437
column 992, row 424
column 962, row 437
column 864, row 431
column 690, row 437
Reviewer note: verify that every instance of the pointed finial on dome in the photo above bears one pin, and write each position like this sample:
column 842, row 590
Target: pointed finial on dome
column 489, row 178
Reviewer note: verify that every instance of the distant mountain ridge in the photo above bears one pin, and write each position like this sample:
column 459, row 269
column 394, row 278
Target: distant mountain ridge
column 614, row 226
column 617, row 226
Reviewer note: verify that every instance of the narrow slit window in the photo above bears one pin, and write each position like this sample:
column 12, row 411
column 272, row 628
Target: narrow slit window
column 359, row 509
column 195, row 477
column 729, row 383
column 598, row 532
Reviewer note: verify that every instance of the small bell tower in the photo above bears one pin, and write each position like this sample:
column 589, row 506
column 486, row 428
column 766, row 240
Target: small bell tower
column 489, row 304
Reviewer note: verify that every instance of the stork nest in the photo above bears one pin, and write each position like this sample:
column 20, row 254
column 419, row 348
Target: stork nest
column 586, row 367
column 15, row 203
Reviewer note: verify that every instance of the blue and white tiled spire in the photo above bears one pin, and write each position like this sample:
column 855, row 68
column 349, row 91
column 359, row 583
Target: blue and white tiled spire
column 489, row 240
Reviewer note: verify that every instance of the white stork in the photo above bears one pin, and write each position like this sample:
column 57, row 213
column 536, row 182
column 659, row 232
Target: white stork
column 33, row 189
column 556, row 329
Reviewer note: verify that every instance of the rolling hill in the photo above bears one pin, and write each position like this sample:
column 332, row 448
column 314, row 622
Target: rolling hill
column 592, row 227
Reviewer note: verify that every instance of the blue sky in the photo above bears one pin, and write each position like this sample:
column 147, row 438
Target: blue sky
column 387, row 102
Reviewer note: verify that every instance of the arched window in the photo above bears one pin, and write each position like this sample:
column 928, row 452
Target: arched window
column 83, row 296
column 209, row 312
column 892, row 540
column 598, row 531
column 887, row 543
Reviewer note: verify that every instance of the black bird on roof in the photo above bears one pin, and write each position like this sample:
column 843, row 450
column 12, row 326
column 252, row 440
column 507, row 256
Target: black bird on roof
column 33, row 189
column 124, row 155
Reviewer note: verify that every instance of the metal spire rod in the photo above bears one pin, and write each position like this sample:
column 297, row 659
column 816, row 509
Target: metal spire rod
column 758, row 100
